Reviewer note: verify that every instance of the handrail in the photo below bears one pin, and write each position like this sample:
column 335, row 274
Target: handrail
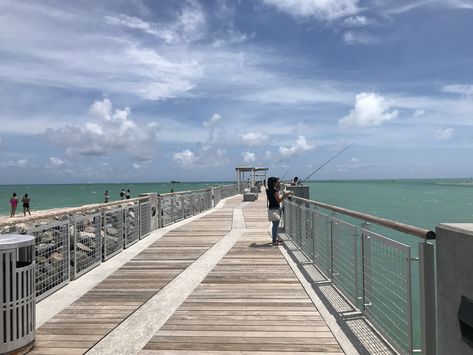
column 401, row 227
column 68, row 210
column 184, row 192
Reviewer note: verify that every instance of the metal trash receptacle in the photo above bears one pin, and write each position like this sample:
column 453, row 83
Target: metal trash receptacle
column 17, row 293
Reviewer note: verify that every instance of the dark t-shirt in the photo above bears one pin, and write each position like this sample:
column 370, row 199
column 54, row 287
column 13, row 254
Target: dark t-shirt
column 273, row 203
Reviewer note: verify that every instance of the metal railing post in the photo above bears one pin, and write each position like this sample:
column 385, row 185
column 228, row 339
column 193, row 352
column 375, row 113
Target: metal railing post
column 330, row 222
column 173, row 203
column 427, row 295
column 159, row 212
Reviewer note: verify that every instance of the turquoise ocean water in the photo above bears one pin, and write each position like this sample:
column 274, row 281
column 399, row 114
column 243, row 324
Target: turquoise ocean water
column 73, row 195
column 422, row 203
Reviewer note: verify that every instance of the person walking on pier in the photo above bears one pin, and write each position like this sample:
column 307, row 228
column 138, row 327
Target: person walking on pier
column 122, row 194
column 127, row 194
column 274, row 208
column 106, row 196
column 26, row 204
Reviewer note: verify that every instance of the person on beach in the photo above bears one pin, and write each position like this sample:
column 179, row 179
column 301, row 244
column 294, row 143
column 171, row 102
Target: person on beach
column 127, row 194
column 26, row 204
column 122, row 194
column 106, row 196
column 274, row 208
column 13, row 204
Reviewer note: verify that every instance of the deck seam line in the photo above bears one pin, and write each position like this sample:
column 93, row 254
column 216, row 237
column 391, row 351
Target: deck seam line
column 145, row 322
column 329, row 319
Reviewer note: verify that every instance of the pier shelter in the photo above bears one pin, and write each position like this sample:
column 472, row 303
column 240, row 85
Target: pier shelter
column 254, row 174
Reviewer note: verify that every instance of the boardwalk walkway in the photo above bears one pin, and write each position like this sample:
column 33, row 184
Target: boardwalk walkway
column 214, row 286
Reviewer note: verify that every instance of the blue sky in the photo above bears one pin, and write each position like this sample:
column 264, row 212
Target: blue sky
column 186, row 90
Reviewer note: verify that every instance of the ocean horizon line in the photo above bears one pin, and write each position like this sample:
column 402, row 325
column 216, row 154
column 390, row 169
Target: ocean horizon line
column 233, row 181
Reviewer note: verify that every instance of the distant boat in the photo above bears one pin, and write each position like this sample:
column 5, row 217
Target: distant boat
column 175, row 182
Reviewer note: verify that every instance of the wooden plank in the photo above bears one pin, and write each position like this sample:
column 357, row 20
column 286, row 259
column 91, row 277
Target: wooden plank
column 81, row 325
column 250, row 303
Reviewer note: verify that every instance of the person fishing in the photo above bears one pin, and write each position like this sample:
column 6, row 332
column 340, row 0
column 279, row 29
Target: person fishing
column 274, row 208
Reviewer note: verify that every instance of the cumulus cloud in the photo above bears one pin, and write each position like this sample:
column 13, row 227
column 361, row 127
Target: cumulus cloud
column 371, row 109
column 213, row 121
column 209, row 153
column 114, row 132
column 444, row 134
column 300, row 146
column 321, row 9
column 248, row 157
column 205, row 156
column 254, row 138
column 56, row 161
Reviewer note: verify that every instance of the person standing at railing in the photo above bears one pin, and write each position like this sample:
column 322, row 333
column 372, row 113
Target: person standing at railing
column 106, row 196
column 274, row 208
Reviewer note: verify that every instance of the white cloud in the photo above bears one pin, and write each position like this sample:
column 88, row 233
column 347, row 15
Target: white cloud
column 209, row 153
column 248, row 157
column 352, row 37
column 113, row 133
column 136, row 166
column 321, row 9
column 466, row 90
column 354, row 160
column 185, row 159
column 444, row 134
column 204, row 157
column 418, row 113
column 254, row 138
column 213, row 121
column 356, row 21
column 22, row 163
column 56, row 161
column 371, row 109
column 300, row 146
column 188, row 25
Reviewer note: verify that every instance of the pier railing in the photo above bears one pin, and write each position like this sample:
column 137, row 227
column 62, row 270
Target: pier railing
column 72, row 241
column 176, row 206
column 389, row 281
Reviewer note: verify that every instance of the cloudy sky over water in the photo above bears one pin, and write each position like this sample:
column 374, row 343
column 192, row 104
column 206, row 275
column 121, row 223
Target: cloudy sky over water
column 122, row 90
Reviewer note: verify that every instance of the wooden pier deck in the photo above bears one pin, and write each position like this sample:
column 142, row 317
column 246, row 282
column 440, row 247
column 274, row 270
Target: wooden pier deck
column 250, row 302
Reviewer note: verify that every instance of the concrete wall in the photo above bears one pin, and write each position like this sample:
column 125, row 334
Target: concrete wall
column 299, row 191
column 454, row 279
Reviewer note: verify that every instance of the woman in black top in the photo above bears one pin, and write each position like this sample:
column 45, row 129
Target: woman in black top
column 274, row 199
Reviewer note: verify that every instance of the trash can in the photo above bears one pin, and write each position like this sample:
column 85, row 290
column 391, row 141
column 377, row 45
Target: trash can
column 17, row 293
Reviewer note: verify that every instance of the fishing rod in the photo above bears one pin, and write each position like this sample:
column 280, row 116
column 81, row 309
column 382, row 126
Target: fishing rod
column 287, row 170
column 328, row 161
